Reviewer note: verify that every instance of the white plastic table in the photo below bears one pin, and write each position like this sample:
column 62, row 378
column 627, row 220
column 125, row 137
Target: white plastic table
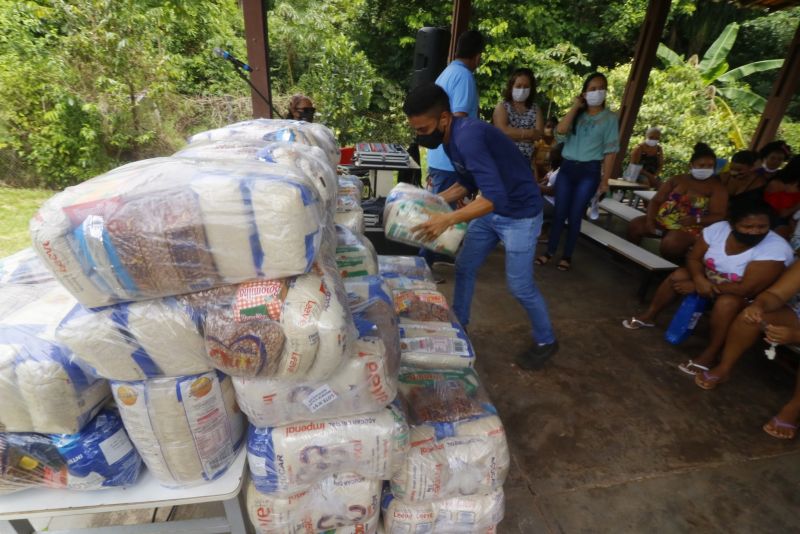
column 17, row 508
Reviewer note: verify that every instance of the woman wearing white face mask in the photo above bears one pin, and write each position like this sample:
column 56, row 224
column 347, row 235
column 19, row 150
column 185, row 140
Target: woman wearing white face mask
column 590, row 134
column 517, row 115
column 683, row 206
column 649, row 155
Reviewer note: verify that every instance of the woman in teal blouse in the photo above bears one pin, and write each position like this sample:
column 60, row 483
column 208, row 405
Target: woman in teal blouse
column 590, row 134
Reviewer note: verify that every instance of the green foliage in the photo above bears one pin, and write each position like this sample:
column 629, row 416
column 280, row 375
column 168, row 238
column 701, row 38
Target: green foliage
column 17, row 206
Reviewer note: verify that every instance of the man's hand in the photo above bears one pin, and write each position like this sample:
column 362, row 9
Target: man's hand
column 602, row 188
column 433, row 227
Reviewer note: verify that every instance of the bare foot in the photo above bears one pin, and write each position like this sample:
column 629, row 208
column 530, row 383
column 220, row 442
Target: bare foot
column 784, row 425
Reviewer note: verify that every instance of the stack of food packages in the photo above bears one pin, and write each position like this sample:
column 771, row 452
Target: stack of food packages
column 57, row 429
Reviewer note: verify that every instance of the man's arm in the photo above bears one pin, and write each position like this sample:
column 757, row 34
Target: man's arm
column 454, row 193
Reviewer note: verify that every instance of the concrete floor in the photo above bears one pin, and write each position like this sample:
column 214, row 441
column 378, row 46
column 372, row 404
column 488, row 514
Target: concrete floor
column 610, row 436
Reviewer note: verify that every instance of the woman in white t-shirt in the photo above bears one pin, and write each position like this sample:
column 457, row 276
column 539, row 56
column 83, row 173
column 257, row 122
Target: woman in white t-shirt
column 731, row 262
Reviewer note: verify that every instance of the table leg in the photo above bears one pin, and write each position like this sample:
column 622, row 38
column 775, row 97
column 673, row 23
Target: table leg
column 16, row 526
column 235, row 512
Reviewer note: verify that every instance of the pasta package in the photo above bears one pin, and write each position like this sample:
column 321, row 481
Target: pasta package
column 99, row 456
column 407, row 207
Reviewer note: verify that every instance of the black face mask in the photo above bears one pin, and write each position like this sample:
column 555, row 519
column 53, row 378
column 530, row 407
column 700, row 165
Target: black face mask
column 431, row 140
column 306, row 114
column 749, row 240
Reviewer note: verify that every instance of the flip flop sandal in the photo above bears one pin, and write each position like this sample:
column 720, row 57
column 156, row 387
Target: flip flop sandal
column 691, row 368
column 707, row 381
column 780, row 424
column 564, row 266
column 544, row 259
column 635, row 324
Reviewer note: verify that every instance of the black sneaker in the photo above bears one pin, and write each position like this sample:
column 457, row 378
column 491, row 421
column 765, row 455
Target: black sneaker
column 534, row 358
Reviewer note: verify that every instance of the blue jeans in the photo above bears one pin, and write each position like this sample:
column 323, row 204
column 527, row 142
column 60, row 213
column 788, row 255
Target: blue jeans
column 519, row 235
column 576, row 185
column 440, row 181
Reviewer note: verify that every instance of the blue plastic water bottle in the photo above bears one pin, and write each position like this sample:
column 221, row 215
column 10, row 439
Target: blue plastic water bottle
column 686, row 318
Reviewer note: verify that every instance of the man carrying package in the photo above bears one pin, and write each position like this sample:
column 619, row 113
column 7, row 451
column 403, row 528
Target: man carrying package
column 509, row 208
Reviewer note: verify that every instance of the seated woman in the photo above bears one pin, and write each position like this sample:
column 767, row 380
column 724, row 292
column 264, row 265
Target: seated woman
column 773, row 155
column 774, row 316
column 650, row 156
column 741, row 181
column 783, row 194
column 517, row 115
column 542, row 148
column 732, row 261
column 301, row 108
column 683, row 206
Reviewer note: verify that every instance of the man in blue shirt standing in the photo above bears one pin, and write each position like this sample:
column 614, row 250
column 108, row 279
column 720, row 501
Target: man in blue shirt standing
column 459, row 84
column 508, row 209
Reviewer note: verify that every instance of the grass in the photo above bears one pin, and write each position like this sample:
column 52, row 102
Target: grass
column 17, row 206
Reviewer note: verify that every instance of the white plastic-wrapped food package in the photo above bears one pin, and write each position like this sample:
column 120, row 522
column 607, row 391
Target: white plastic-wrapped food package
column 290, row 159
column 363, row 383
column 474, row 514
column 168, row 226
column 290, row 458
column 355, row 255
column 407, row 207
column 187, row 429
column 435, row 345
column 404, row 266
column 353, row 220
column 138, row 340
column 292, row 131
column 458, row 443
column 296, row 328
column 349, row 193
column 99, row 456
column 42, row 387
column 341, row 501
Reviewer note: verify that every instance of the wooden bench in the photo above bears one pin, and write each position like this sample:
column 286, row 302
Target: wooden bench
column 652, row 263
column 618, row 209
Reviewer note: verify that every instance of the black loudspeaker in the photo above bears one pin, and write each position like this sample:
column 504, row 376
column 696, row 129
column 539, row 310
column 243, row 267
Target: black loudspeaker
column 430, row 55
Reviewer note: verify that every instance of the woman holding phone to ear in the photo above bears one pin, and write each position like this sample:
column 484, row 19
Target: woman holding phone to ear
column 590, row 134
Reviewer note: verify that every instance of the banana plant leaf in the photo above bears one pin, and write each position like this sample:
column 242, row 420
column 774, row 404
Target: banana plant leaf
column 668, row 56
column 718, row 52
column 740, row 97
column 746, row 70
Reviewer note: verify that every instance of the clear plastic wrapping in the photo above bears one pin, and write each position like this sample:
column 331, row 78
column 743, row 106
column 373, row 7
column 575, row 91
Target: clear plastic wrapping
column 407, row 207
column 365, row 382
column 187, row 429
column 280, row 130
column 353, row 220
column 294, row 328
column 168, row 226
column 24, row 267
column 290, row 458
column 355, row 255
column 475, row 514
column 298, row 328
column 363, row 288
column 344, row 502
column 434, row 345
column 99, row 456
column 42, row 388
column 404, row 266
column 458, row 443
column 348, row 204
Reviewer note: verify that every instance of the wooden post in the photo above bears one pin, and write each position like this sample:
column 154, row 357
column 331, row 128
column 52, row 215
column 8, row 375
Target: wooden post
column 255, row 29
column 783, row 90
column 643, row 59
column 460, row 24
